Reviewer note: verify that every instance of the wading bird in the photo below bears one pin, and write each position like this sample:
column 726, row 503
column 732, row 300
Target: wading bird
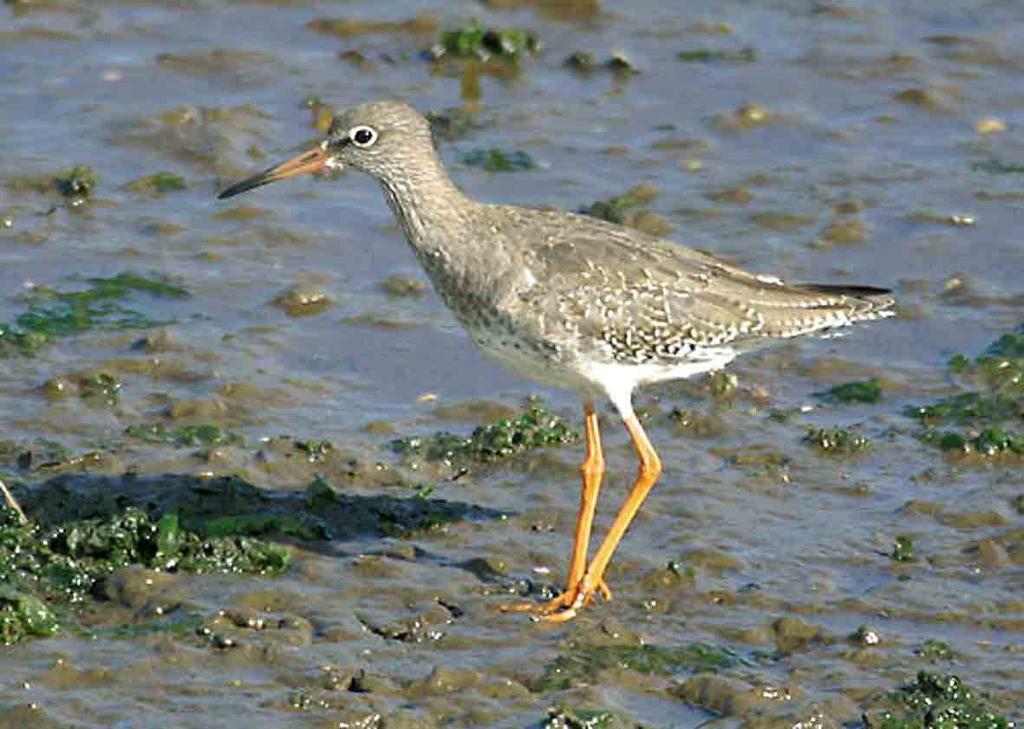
column 573, row 301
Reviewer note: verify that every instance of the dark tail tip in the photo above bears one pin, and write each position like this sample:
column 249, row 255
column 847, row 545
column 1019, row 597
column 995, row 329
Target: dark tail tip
column 872, row 302
column 860, row 292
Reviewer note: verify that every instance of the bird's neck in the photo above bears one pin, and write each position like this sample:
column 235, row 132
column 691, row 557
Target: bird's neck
column 427, row 204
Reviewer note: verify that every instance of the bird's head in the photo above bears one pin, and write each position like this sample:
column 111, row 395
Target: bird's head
column 380, row 138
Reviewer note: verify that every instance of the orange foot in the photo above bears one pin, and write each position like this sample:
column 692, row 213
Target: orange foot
column 568, row 602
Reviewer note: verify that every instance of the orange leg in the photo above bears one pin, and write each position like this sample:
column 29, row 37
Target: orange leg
column 593, row 577
column 593, row 473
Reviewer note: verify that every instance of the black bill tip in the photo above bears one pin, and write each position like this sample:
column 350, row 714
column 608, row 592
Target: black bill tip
column 245, row 185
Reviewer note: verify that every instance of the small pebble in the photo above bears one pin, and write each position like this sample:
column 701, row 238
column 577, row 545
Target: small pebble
column 990, row 125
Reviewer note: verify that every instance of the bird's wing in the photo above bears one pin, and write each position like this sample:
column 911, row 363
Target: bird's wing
column 648, row 297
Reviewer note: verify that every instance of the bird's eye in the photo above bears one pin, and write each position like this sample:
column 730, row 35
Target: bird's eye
column 362, row 136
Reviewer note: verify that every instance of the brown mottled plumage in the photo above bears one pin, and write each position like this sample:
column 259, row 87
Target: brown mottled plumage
column 573, row 301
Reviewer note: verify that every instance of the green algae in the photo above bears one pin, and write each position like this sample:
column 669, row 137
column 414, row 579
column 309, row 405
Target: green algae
column 990, row 442
column 935, row 650
column 999, row 369
column 934, row 701
column 76, row 183
column 969, row 406
column 1010, row 344
column 315, row 450
column 157, row 185
column 457, row 123
column 582, row 61
column 302, row 300
column 865, row 392
column 496, row 160
column 581, row 665
column 53, row 314
column 998, row 375
column 23, row 615
column 177, row 623
column 621, row 208
column 902, row 549
column 79, row 181
column 707, row 55
column 535, row 428
column 838, row 441
column 133, row 537
column 187, row 436
column 997, row 167
column 585, row 62
column 567, row 718
column 96, row 388
column 399, row 286
column 262, row 525
column 476, row 41
column 99, row 387
column 47, row 569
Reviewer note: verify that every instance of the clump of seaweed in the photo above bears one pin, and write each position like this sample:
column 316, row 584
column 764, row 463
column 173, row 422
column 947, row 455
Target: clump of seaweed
column 47, row 569
column 52, row 314
column 990, row 442
column 568, row 718
column 631, row 208
column 535, row 428
column 187, row 436
column 157, row 184
column 970, row 406
column 580, row 666
column 747, row 54
column 497, row 160
column 1000, row 368
column 902, row 549
column 476, row 41
column 618, row 209
column 997, row 376
column 838, row 441
column 863, row 392
column 585, row 63
column 936, row 700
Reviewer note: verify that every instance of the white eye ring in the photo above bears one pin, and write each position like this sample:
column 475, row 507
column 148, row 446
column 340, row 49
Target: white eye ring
column 362, row 136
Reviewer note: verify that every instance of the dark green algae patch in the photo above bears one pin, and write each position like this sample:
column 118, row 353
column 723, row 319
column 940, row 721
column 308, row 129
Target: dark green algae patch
column 157, row 184
column 863, row 392
column 476, row 41
column 497, row 160
column 934, row 701
column 507, row 438
column 568, row 718
column 76, row 183
column 632, row 209
column 990, row 415
column 836, row 441
column 46, row 570
column 186, row 436
column 582, row 665
column 52, row 314
column 746, row 54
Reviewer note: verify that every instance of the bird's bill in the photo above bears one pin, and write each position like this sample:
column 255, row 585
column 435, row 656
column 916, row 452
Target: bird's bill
column 308, row 162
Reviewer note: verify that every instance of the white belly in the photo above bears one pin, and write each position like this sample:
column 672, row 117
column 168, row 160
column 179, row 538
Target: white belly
column 618, row 381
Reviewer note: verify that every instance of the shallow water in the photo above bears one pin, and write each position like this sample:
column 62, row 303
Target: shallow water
column 868, row 115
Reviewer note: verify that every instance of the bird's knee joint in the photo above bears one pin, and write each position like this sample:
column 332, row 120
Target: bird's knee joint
column 650, row 467
column 593, row 468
